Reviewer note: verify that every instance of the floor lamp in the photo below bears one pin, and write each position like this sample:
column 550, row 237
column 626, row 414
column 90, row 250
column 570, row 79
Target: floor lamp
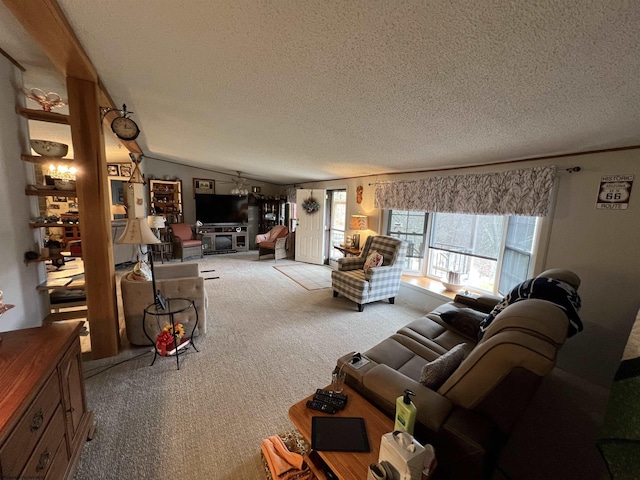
column 137, row 232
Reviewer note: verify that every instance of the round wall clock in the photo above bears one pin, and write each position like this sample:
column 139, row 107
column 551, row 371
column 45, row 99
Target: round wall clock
column 125, row 128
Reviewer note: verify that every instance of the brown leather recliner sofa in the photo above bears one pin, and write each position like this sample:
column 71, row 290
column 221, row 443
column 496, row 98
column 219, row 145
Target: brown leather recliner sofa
column 469, row 417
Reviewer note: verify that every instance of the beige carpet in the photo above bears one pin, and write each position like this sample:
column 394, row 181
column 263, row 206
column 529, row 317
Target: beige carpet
column 269, row 344
column 311, row 277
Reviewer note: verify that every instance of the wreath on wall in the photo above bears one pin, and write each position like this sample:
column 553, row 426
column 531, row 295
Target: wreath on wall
column 310, row 205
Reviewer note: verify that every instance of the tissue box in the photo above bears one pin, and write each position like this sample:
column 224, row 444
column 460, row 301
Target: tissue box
column 405, row 455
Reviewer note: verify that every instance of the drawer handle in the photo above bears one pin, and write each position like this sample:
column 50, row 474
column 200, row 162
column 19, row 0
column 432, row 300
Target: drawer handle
column 37, row 420
column 43, row 462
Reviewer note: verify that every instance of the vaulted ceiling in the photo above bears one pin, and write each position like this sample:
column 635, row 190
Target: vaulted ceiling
column 291, row 91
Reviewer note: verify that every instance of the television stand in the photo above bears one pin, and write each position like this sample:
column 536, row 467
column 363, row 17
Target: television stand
column 218, row 239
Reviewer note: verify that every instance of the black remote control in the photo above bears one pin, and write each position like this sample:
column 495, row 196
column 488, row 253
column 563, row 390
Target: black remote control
column 338, row 403
column 329, row 393
column 322, row 407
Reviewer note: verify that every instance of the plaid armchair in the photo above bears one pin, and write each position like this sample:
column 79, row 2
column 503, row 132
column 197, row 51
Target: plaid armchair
column 376, row 283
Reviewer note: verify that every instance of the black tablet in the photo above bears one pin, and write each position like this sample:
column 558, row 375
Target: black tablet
column 339, row 434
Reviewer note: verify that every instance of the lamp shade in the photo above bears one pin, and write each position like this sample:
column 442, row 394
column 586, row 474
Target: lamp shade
column 137, row 232
column 156, row 221
column 359, row 222
column 118, row 209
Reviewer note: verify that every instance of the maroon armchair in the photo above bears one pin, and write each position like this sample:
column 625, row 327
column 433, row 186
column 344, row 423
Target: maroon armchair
column 185, row 242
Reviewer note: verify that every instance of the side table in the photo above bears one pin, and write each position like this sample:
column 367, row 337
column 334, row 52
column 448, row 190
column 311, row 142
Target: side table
column 347, row 465
column 174, row 306
column 162, row 249
column 348, row 251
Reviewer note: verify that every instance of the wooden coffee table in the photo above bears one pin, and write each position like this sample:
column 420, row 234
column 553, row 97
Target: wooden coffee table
column 347, row 465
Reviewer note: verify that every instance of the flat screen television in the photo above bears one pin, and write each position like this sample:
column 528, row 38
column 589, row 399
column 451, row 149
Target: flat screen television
column 222, row 209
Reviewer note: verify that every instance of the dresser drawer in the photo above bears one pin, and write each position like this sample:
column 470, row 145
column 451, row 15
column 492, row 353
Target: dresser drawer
column 18, row 447
column 59, row 462
column 49, row 447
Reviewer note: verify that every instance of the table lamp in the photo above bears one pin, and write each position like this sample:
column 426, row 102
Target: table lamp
column 118, row 211
column 358, row 222
column 137, row 232
column 156, row 222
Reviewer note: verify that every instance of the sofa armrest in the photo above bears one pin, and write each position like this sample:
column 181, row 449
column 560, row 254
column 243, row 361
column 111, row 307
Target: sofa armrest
column 482, row 302
column 350, row 263
column 432, row 408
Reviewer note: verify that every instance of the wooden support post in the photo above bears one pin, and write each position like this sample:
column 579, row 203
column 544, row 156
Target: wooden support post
column 93, row 202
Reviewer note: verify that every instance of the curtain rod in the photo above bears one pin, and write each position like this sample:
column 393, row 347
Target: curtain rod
column 568, row 170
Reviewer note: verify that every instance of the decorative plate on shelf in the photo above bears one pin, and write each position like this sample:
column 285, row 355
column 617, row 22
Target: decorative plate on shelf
column 46, row 100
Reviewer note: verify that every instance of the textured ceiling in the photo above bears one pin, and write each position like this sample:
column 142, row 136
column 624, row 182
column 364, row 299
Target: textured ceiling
column 290, row 91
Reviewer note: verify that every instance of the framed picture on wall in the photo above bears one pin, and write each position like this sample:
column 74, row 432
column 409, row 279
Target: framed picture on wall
column 204, row 185
column 113, row 170
column 59, row 199
column 125, row 170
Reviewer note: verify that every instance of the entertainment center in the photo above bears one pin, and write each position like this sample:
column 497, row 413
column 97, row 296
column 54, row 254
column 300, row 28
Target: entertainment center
column 224, row 218
column 224, row 238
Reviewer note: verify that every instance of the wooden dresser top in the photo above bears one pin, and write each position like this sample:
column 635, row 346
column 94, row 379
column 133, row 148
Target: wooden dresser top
column 27, row 358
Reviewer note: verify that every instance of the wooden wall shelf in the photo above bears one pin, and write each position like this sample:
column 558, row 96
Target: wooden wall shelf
column 48, row 193
column 41, row 159
column 53, row 225
column 43, row 116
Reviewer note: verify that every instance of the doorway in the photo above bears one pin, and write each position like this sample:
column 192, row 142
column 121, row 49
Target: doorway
column 337, row 221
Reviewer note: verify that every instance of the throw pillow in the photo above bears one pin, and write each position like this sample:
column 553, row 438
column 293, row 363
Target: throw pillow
column 141, row 271
column 436, row 372
column 374, row 259
column 465, row 320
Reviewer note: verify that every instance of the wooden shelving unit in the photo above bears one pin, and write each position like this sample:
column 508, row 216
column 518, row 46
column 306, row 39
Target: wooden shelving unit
column 40, row 159
column 43, row 116
column 269, row 213
column 50, row 192
column 53, row 225
column 165, row 198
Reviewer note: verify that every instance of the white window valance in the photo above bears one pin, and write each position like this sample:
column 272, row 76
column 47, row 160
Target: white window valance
column 516, row 192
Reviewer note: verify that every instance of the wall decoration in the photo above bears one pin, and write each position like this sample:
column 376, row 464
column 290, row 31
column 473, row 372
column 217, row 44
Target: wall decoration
column 310, row 205
column 204, row 185
column 59, row 199
column 125, row 170
column 113, row 170
column 359, row 189
column 614, row 192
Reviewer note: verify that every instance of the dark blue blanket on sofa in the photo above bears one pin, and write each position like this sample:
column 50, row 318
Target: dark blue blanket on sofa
column 562, row 294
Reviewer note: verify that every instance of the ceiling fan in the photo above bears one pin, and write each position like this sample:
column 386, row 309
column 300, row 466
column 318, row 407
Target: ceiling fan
column 241, row 186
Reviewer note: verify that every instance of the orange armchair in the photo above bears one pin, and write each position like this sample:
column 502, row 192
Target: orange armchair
column 273, row 242
column 185, row 242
